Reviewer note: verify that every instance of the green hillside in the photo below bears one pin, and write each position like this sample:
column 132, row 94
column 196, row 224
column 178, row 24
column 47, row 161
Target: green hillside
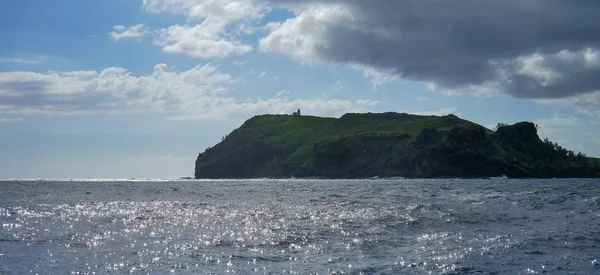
column 296, row 135
column 385, row 144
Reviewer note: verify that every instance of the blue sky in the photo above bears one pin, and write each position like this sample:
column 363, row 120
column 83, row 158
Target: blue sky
column 136, row 88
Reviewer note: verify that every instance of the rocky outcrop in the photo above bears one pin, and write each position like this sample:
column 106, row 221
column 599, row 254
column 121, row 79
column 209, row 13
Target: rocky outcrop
column 244, row 154
column 386, row 145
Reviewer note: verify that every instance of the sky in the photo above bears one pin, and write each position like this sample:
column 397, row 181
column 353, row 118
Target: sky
column 137, row 88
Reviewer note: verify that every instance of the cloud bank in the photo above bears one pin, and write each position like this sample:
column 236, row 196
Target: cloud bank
column 200, row 92
column 525, row 48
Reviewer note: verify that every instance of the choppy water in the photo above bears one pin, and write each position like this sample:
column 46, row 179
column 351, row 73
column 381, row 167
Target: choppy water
column 300, row 227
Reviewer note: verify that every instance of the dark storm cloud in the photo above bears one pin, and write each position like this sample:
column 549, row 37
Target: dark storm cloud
column 464, row 42
column 576, row 77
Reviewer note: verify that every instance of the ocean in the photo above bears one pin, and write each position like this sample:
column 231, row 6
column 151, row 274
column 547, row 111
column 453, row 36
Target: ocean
column 298, row 226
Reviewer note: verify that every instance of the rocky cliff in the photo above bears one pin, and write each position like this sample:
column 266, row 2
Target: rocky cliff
column 386, row 145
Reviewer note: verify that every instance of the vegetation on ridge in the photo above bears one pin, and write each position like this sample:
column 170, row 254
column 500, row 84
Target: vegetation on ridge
column 386, row 144
column 296, row 135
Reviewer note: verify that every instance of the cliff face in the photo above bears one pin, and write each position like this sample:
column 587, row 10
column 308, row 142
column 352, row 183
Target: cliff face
column 388, row 144
column 243, row 154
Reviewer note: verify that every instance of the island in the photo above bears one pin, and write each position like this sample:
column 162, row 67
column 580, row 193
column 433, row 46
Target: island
column 365, row 145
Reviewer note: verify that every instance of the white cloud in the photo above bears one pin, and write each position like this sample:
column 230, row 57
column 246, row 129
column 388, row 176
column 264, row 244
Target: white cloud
column 321, row 106
column 121, row 32
column 303, row 34
column 14, row 119
column 338, row 86
column 440, row 112
column 199, row 92
column 272, row 26
column 18, row 60
column 203, row 40
column 82, row 74
column 283, row 93
column 367, row 102
column 486, row 89
column 262, row 74
column 588, row 104
column 222, row 10
column 112, row 90
column 532, row 66
column 239, row 62
column 318, row 106
column 211, row 38
column 16, row 85
column 377, row 77
column 247, row 29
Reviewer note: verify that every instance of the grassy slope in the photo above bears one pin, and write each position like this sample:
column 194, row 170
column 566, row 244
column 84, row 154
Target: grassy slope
column 297, row 134
column 294, row 134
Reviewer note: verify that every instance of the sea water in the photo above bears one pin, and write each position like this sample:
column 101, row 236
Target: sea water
column 300, row 226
